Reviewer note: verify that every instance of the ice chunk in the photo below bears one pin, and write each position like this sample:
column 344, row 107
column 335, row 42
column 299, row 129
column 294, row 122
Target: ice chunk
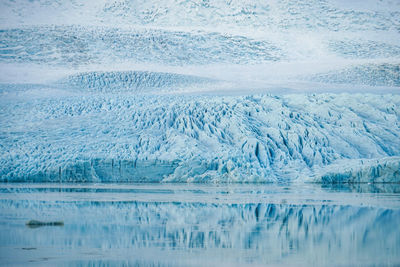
column 359, row 171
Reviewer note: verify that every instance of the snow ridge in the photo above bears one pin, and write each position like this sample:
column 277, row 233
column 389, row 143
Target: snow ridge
column 130, row 81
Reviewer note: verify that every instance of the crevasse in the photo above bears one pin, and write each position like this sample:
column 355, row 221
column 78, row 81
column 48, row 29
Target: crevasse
column 263, row 138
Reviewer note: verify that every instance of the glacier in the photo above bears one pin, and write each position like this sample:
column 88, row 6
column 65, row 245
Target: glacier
column 200, row 91
column 199, row 133
column 88, row 136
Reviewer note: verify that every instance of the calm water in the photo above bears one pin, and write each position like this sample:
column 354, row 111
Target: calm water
column 200, row 225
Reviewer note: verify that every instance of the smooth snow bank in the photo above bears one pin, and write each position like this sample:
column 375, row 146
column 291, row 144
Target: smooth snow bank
column 264, row 138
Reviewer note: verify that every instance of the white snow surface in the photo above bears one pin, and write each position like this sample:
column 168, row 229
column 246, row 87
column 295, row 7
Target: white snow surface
column 200, row 91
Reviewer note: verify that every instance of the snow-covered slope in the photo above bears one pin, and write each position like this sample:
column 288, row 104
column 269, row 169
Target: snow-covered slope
column 283, row 14
column 81, row 45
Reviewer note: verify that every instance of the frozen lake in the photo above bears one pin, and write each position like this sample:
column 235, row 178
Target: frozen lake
column 200, row 224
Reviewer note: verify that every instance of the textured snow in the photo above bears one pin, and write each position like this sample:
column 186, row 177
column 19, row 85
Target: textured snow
column 199, row 91
column 370, row 74
column 79, row 45
column 356, row 170
column 127, row 137
column 131, row 81
column 283, row 14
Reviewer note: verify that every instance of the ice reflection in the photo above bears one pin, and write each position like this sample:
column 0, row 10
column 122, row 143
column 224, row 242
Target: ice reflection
column 290, row 230
column 363, row 187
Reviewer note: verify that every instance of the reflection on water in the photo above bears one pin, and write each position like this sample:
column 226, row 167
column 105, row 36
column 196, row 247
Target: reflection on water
column 180, row 225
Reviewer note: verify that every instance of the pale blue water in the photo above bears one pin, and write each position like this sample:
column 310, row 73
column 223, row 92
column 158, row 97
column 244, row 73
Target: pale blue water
column 200, row 225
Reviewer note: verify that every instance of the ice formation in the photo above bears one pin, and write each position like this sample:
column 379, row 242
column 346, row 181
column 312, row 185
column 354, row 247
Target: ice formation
column 232, row 91
column 127, row 137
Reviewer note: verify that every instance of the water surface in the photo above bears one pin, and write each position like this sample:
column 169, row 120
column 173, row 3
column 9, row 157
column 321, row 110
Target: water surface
column 200, row 225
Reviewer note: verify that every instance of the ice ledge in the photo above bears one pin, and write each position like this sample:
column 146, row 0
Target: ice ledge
column 152, row 170
column 100, row 170
column 383, row 170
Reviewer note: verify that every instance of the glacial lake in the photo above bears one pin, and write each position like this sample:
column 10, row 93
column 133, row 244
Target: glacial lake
column 200, row 224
